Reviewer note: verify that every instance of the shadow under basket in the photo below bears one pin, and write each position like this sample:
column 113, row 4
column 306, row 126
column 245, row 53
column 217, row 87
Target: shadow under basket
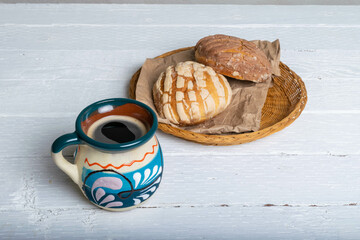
column 284, row 103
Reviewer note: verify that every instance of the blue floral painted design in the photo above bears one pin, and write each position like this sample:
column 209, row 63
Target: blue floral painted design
column 110, row 189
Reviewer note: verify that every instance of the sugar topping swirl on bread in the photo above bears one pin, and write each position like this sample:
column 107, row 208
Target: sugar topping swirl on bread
column 190, row 93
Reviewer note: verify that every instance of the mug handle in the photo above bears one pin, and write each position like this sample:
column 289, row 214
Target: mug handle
column 56, row 153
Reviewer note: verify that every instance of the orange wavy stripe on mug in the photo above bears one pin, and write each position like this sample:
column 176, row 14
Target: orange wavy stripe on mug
column 122, row 165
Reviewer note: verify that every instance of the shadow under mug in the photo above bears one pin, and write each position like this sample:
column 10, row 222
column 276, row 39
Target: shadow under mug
column 113, row 176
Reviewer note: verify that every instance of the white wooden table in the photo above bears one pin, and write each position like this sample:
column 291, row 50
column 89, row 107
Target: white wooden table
column 300, row 183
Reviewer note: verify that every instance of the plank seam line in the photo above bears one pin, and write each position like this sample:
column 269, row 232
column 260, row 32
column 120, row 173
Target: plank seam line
column 291, row 50
column 200, row 153
column 166, row 206
column 255, row 25
column 71, row 114
column 307, row 79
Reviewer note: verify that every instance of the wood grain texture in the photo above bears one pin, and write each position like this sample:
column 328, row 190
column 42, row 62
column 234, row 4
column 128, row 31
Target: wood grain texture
column 275, row 195
column 118, row 65
column 329, row 137
column 143, row 14
column 241, row 2
column 110, row 71
column 244, row 181
column 187, row 223
column 300, row 183
column 81, row 37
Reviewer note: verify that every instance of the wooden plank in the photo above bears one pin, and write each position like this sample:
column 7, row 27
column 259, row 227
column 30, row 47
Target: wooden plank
column 169, row 37
column 29, row 103
column 310, row 134
column 119, row 65
column 185, row 14
column 88, row 91
column 192, row 2
column 185, row 223
column 106, row 74
column 201, row 181
column 315, row 63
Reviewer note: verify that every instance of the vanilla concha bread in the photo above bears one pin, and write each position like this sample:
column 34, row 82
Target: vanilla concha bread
column 190, row 93
column 233, row 57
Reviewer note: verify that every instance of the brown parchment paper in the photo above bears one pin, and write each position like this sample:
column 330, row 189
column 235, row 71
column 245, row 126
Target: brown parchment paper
column 244, row 112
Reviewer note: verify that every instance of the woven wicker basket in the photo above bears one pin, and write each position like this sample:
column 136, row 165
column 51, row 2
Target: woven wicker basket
column 284, row 103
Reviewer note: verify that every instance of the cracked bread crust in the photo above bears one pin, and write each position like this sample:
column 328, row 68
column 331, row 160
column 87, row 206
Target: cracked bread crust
column 233, row 57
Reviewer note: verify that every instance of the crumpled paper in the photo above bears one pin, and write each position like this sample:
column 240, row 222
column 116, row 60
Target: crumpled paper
column 243, row 113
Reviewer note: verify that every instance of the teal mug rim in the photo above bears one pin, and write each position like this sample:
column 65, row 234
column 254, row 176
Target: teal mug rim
column 120, row 146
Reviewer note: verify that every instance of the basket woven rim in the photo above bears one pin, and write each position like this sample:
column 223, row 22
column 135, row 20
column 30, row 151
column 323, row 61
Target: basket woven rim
column 229, row 139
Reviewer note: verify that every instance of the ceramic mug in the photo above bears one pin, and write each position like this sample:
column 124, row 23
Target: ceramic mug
column 113, row 176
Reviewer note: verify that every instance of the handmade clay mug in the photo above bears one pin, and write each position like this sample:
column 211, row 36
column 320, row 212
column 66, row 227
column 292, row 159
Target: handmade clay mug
column 116, row 175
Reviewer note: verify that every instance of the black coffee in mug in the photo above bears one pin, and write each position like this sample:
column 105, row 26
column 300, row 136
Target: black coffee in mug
column 117, row 129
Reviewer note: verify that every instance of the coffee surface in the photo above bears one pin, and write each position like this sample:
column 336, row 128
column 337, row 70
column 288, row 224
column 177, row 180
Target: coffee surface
column 115, row 130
